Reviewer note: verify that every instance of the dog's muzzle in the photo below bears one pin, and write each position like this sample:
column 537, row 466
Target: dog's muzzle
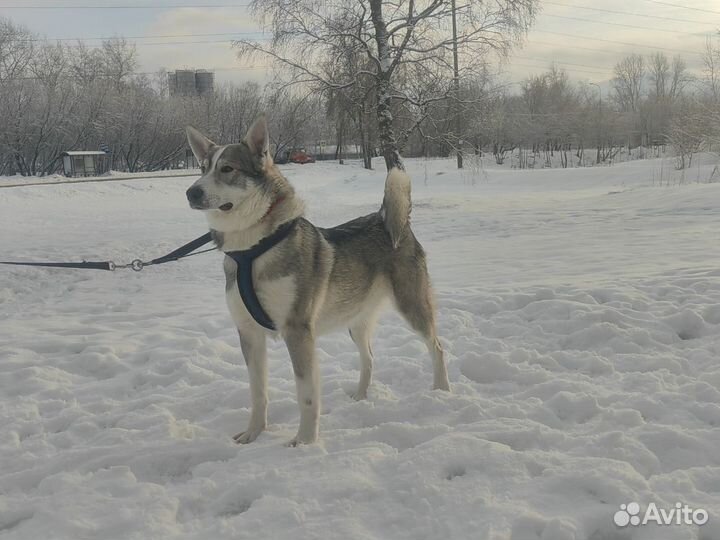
column 195, row 195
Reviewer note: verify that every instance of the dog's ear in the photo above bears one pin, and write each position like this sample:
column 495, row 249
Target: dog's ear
column 199, row 144
column 257, row 138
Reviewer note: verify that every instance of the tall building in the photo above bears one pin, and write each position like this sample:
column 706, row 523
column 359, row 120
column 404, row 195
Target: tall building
column 187, row 82
column 204, row 81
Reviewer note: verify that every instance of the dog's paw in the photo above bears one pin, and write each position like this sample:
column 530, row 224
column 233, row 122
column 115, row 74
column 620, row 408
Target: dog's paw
column 247, row 436
column 292, row 443
column 359, row 396
column 297, row 441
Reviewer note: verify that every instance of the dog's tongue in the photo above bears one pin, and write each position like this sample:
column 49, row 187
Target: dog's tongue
column 226, row 206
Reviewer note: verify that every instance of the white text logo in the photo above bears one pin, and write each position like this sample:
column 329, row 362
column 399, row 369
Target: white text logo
column 680, row 514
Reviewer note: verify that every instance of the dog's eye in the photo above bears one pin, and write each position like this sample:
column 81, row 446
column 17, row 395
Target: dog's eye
column 226, row 168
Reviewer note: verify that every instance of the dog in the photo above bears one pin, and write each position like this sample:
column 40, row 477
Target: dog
column 310, row 280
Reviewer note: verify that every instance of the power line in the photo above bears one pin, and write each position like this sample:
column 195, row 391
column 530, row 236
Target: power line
column 214, row 6
column 162, row 6
column 594, row 68
column 265, row 37
column 561, row 63
column 594, row 72
column 566, row 114
column 683, row 7
column 673, row 19
column 618, row 24
column 146, row 44
column 64, row 77
column 166, row 36
column 617, row 42
column 565, row 46
column 594, row 49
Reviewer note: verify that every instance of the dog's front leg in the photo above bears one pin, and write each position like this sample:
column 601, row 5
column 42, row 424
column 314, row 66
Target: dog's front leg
column 254, row 350
column 301, row 346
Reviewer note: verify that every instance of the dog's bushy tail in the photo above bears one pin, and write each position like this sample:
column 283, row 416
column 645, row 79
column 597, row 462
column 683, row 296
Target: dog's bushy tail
column 396, row 204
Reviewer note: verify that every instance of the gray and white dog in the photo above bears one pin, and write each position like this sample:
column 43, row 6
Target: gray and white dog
column 314, row 280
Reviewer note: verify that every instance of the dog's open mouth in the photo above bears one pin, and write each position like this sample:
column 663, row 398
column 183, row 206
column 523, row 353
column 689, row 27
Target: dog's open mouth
column 227, row 206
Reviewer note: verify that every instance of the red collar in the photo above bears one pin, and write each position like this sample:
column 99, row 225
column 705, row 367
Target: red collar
column 272, row 207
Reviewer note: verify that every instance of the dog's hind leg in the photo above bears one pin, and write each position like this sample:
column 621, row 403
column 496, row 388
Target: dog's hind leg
column 301, row 346
column 413, row 298
column 360, row 334
column 255, row 353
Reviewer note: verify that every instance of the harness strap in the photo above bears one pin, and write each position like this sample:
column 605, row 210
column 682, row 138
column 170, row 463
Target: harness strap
column 244, row 260
column 183, row 251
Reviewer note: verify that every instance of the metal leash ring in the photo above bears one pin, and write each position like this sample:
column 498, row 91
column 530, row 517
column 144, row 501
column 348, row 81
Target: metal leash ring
column 136, row 265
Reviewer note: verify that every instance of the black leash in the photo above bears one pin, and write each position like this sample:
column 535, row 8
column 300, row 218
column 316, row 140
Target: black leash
column 137, row 264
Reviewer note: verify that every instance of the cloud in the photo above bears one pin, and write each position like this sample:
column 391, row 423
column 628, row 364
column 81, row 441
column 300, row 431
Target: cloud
column 202, row 52
column 551, row 38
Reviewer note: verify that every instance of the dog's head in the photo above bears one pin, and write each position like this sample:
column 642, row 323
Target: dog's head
column 232, row 184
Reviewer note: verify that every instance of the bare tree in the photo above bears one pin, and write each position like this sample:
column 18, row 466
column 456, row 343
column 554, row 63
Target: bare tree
column 393, row 36
column 668, row 81
column 351, row 104
column 233, row 110
column 627, row 83
column 680, row 78
column 16, row 50
column 688, row 132
column 659, row 68
column 291, row 119
column 119, row 59
column 711, row 61
column 16, row 53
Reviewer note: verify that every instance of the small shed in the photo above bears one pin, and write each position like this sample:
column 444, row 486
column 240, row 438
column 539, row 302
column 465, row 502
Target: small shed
column 85, row 163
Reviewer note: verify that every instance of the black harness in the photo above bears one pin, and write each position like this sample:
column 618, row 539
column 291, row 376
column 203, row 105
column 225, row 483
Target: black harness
column 244, row 260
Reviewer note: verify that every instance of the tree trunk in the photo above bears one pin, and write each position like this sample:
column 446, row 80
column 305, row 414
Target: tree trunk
column 388, row 142
column 365, row 144
column 339, row 146
column 456, row 83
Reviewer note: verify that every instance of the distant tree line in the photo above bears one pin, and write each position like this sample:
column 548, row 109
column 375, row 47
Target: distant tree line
column 56, row 97
column 651, row 102
column 343, row 94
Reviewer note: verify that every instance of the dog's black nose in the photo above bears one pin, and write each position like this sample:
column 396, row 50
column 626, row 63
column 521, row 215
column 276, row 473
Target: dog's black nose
column 195, row 194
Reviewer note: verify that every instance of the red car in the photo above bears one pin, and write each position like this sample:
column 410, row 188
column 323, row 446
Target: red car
column 301, row 157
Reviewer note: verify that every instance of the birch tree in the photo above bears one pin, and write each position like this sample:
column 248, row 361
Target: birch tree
column 394, row 36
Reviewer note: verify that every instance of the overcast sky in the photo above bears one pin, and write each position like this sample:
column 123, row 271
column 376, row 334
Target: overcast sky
column 582, row 40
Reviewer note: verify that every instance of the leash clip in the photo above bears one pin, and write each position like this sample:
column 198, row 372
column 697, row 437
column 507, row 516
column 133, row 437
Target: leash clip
column 136, row 265
column 111, row 266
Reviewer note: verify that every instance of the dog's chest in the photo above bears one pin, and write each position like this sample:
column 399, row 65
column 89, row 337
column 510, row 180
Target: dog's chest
column 276, row 295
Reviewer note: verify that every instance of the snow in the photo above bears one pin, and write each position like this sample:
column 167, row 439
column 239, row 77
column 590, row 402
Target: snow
column 17, row 180
column 580, row 314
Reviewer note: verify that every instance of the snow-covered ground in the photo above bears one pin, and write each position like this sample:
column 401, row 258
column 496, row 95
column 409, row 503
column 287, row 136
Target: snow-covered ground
column 580, row 313
column 17, row 180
